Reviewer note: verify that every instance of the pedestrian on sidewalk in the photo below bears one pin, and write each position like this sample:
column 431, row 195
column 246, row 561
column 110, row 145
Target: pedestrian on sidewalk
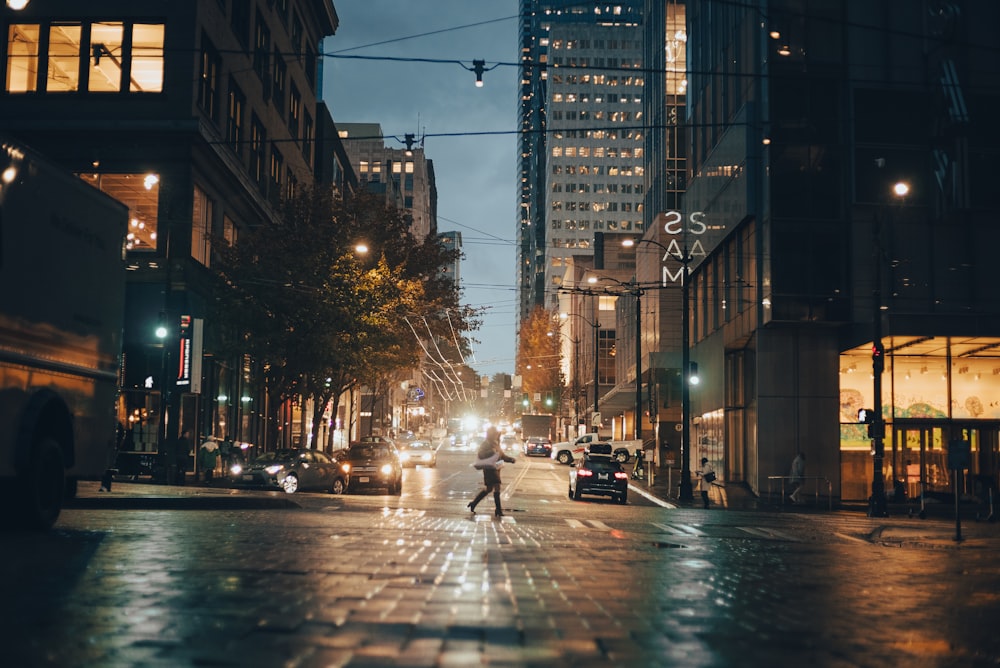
column 796, row 476
column 491, row 457
column 706, row 476
column 208, row 457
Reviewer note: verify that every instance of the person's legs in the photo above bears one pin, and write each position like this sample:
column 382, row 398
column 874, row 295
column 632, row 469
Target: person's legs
column 704, row 497
column 496, row 500
column 479, row 497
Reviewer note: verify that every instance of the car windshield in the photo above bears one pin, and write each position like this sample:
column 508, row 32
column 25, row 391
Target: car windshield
column 418, row 445
column 369, row 452
column 275, row 456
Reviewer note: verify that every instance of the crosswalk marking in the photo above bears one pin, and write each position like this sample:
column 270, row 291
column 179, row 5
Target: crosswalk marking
column 769, row 533
column 678, row 529
column 575, row 524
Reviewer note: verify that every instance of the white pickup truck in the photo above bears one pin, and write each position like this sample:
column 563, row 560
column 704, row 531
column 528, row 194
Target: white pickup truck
column 569, row 451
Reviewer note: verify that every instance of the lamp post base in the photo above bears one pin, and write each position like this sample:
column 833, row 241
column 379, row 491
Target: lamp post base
column 877, row 506
column 686, row 489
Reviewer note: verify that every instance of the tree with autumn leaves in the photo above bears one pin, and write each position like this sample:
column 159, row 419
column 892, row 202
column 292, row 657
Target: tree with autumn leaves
column 539, row 359
column 317, row 315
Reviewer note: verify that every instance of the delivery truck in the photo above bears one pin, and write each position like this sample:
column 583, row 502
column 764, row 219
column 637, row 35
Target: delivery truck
column 62, row 292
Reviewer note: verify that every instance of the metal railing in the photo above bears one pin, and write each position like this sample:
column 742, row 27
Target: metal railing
column 816, row 480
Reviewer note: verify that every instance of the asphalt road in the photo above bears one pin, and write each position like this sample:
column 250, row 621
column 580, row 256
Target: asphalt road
column 156, row 576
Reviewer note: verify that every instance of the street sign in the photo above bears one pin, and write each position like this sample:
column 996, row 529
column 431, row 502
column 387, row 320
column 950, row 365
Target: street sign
column 959, row 455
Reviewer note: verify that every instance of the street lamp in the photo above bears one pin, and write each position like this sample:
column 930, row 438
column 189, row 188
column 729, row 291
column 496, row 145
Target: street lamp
column 877, row 506
column 685, row 493
column 596, row 325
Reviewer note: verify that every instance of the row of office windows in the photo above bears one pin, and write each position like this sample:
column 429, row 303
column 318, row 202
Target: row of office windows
column 599, row 225
column 599, row 188
column 624, row 207
column 597, row 79
column 597, row 170
column 598, row 44
column 592, row 133
column 610, row 170
column 597, row 63
column 593, row 115
column 74, row 56
column 597, row 98
column 624, row 152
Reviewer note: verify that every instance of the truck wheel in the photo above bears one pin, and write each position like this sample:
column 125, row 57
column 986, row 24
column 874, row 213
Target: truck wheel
column 621, row 455
column 576, row 493
column 564, row 457
column 38, row 493
column 623, row 498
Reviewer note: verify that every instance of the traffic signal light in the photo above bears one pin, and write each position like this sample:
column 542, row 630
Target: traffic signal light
column 548, row 398
column 524, row 400
column 878, row 357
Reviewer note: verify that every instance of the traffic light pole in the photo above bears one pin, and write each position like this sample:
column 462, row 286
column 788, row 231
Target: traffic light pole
column 877, row 504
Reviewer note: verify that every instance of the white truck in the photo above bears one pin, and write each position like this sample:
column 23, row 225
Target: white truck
column 568, row 452
column 62, row 313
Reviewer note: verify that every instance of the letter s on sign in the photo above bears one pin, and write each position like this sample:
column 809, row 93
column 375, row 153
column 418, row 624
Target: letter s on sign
column 697, row 222
column 672, row 222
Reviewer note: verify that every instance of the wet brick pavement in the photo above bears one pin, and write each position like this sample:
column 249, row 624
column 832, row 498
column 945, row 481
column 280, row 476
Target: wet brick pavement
column 151, row 576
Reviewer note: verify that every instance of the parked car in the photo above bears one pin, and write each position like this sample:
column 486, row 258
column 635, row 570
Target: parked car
column 373, row 465
column 292, row 470
column 413, row 453
column 599, row 474
column 538, row 446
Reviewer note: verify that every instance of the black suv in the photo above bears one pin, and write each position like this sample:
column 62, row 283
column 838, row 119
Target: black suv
column 599, row 474
column 373, row 464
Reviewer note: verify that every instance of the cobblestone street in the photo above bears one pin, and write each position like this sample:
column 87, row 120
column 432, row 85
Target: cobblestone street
column 418, row 581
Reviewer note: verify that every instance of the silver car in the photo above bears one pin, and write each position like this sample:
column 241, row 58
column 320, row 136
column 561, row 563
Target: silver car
column 293, row 470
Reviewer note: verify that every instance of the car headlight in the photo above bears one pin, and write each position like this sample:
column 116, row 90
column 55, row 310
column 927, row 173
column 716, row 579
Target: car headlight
column 403, row 456
column 273, row 470
column 236, row 469
column 386, row 469
column 345, row 467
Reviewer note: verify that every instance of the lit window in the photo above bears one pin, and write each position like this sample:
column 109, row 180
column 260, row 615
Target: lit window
column 105, row 57
column 22, row 58
column 64, row 58
column 201, row 227
column 141, row 194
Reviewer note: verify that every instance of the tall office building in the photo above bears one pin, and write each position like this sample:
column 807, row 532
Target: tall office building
column 824, row 288
column 582, row 136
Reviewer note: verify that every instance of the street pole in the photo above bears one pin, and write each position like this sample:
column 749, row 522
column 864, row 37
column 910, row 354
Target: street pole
column 597, row 377
column 877, row 504
column 685, row 493
column 638, row 363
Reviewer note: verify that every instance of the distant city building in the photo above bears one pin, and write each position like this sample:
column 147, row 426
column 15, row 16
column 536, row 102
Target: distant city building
column 404, row 174
column 452, row 240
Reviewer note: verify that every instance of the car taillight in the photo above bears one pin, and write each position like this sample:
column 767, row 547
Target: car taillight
column 621, row 475
column 586, row 473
